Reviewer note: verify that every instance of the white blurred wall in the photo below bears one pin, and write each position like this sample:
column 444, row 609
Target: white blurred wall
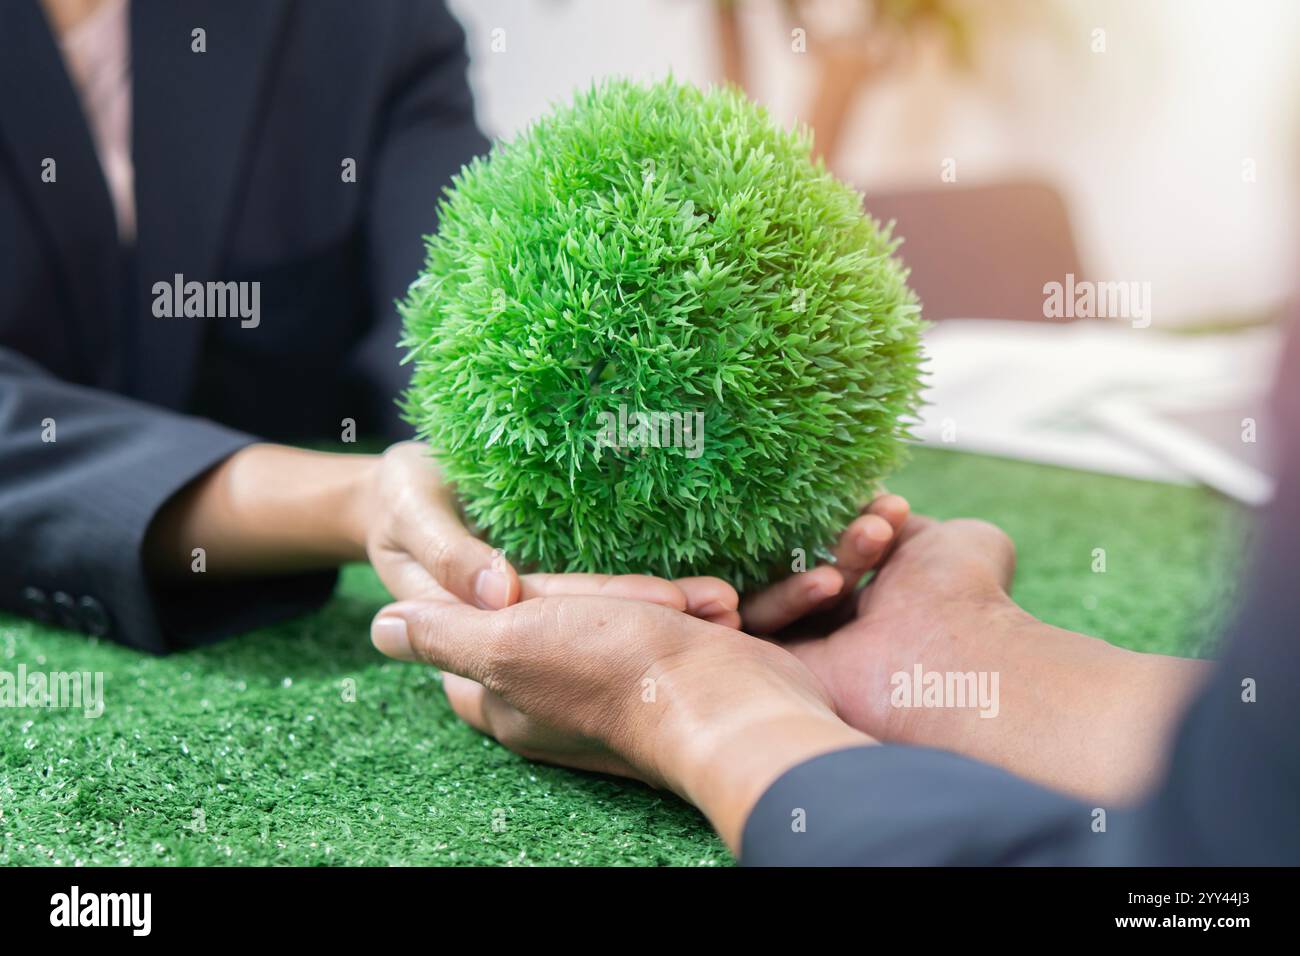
column 1147, row 140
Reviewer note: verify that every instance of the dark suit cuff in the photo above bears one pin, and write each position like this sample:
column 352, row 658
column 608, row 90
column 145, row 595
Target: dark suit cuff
column 160, row 618
column 895, row 805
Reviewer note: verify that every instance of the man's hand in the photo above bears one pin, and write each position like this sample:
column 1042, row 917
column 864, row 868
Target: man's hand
column 828, row 590
column 1072, row 711
column 939, row 579
column 627, row 688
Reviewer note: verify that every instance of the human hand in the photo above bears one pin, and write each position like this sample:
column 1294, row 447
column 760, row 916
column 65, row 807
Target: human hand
column 1065, row 709
column 409, row 525
column 628, row 688
column 826, row 592
column 937, row 580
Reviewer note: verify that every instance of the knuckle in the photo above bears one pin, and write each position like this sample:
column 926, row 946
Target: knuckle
column 986, row 543
column 496, row 662
column 986, row 531
column 422, row 626
column 512, row 644
column 404, row 451
column 439, row 559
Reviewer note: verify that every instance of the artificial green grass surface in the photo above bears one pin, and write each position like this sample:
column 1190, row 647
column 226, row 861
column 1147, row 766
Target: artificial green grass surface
column 248, row 752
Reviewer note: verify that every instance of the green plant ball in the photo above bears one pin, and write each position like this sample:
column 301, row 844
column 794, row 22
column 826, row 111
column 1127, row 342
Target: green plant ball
column 653, row 336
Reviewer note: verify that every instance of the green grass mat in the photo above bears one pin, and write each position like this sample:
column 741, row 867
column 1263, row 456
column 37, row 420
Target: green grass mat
column 249, row 752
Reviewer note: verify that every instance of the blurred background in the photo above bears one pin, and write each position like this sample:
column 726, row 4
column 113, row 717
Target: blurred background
column 1016, row 143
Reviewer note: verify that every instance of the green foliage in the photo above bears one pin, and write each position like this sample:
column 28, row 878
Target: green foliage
column 667, row 250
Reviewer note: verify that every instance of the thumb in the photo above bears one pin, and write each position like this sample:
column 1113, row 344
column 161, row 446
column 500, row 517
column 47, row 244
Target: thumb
column 452, row 637
column 460, row 563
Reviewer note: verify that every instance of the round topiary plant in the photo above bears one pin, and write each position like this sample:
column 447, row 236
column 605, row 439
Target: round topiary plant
column 652, row 335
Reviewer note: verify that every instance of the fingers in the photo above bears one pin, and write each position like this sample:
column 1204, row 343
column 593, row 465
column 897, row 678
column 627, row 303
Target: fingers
column 405, row 578
column 711, row 599
column 463, row 565
column 635, row 587
column 466, row 698
column 893, row 508
column 867, row 540
column 452, row 637
column 861, row 548
column 913, row 527
column 789, row 599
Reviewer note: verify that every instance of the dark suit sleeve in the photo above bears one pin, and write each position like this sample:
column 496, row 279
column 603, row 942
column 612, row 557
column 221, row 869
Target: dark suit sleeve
column 427, row 133
column 82, row 474
column 1230, row 796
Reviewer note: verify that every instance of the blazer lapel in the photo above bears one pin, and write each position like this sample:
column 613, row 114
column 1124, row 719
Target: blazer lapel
column 195, row 119
column 41, row 119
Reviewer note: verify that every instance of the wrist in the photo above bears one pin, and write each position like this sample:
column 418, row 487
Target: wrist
column 725, row 767
column 356, row 495
column 271, row 508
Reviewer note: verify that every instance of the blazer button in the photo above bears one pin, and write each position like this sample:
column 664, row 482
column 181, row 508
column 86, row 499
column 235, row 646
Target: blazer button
column 94, row 619
column 37, row 604
column 65, row 611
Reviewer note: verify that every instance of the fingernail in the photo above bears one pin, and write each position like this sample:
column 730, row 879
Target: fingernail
column 878, row 532
column 819, row 589
column 491, row 590
column 712, row 608
column 389, row 636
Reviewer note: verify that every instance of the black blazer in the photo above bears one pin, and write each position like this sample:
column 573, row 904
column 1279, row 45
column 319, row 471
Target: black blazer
column 239, row 154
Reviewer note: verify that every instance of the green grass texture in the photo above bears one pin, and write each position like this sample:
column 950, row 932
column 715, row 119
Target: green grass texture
column 250, row 752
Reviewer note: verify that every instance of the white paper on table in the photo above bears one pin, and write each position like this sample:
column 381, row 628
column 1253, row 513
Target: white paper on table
column 1034, row 391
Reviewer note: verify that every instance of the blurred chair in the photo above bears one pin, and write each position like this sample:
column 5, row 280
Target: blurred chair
column 982, row 251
